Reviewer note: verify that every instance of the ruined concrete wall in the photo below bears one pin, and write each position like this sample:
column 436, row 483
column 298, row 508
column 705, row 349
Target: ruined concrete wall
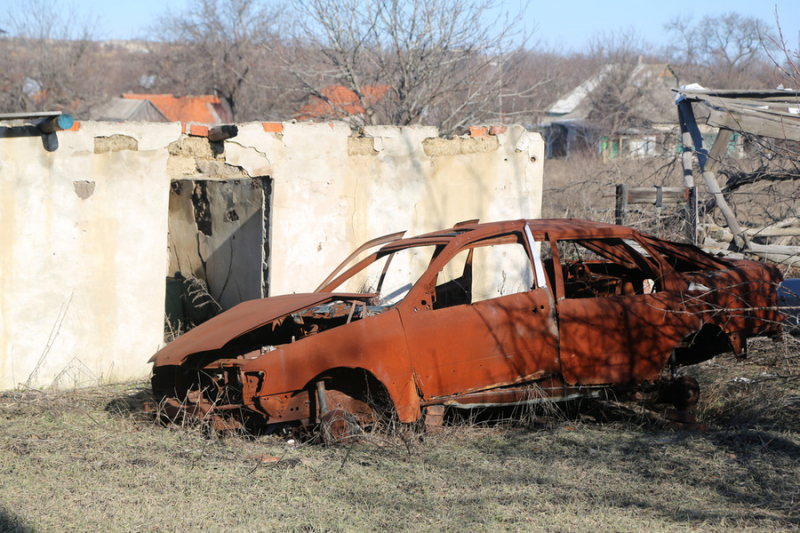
column 217, row 233
column 84, row 226
column 333, row 191
column 82, row 241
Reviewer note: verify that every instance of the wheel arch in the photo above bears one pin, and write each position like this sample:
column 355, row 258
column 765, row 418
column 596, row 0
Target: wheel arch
column 710, row 340
column 370, row 387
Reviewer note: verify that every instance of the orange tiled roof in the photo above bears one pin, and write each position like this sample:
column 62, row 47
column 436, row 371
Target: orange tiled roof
column 345, row 101
column 202, row 109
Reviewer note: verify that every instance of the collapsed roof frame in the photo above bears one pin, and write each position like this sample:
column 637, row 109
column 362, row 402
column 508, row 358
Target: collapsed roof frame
column 774, row 114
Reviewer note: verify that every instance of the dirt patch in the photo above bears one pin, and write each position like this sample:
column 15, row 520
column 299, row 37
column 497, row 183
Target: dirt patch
column 361, row 146
column 84, row 189
column 198, row 157
column 195, row 147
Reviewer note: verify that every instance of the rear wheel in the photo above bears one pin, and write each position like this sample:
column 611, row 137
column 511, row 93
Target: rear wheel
column 684, row 392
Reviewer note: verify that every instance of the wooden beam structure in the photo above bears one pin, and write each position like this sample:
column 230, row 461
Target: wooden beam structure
column 774, row 114
column 656, row 196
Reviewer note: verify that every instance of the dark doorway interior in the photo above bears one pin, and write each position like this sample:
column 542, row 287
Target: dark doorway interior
column 218, row 247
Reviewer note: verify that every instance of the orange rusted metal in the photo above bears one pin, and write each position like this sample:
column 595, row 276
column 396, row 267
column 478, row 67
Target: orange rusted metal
column 478, row 314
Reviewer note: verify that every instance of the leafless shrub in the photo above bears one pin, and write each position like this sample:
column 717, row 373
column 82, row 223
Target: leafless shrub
column 759, row 392
column 172, row 332
column 408, row 62
column 199, row 297
column 48, row 60
column 584, row 186
column 538, row 410
column 724, row 52
column 197, row 306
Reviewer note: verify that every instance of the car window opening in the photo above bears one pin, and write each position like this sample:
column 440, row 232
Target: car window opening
column 685, row 258
column 487, row 269
column 389, row 275
column 598, row 268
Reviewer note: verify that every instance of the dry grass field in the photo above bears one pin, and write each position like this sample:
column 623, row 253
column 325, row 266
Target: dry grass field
column 95, row 460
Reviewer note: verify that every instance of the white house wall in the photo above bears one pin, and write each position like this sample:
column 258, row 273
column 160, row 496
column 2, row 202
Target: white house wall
column 82, row 251
column 331, row 192
column 83, row 228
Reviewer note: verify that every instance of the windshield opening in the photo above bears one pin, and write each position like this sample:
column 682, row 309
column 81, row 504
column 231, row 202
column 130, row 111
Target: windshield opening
column 389, row 274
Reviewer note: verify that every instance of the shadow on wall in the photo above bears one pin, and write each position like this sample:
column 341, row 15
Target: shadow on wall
column 49, row 140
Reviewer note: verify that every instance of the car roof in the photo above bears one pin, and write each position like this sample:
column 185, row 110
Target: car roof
column 556, row 228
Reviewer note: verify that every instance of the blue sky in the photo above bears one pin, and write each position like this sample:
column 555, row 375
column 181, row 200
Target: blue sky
column 568, row 25
column 562, row 25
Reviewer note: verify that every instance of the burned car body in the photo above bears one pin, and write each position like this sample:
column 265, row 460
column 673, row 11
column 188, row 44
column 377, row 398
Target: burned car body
column 479, row 314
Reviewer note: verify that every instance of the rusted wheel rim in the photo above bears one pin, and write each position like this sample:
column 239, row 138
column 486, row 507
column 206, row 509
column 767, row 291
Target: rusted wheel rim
column 338, row 426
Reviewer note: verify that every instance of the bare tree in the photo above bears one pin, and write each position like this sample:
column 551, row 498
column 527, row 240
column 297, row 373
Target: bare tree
column 786, row 60
column 619, row 99
column 763, row 185
column 543, row 76
column 725, row 52
column 220, row 47
column 439, row 62
column 46, row 62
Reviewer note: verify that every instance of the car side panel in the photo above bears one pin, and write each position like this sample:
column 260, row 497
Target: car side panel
column 742, row 299
column 487, row 344
column 621, row 339
column 376, row 344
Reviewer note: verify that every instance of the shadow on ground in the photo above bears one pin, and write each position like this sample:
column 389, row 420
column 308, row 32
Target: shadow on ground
column 135, row 403
column 9, row 523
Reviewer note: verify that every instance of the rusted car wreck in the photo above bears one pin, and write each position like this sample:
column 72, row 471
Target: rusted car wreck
column 479, row 314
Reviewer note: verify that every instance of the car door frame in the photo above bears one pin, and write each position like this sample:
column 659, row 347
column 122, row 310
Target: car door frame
column 618, row 339
column 434, row 335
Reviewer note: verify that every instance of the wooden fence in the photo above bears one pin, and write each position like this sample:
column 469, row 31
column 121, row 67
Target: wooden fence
column 658, row 197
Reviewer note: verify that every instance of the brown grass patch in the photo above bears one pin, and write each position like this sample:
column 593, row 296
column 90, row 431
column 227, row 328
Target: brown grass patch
column 93, row 459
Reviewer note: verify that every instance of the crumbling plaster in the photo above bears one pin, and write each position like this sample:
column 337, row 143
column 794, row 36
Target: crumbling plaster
column 83, row 228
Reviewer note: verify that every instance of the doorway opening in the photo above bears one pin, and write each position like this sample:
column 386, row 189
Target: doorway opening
column 219, row 248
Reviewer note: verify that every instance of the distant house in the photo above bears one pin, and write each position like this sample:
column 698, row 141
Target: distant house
column 204, row 109
column 575, row 121
column 339, row 103
column 126, row 110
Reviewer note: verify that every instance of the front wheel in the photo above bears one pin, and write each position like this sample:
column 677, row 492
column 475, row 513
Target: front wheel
column 339, row 427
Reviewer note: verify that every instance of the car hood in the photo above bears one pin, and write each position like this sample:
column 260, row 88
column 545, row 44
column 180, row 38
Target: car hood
column 243, row 318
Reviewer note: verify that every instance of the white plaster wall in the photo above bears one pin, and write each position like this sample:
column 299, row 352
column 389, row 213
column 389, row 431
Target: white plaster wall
column 325, row 202
column 82, row 281
column 312, row 200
